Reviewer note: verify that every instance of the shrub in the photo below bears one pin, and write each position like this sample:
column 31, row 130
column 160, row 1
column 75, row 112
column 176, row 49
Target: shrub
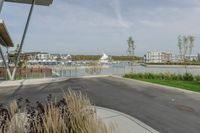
column 180, row 77
column 197, row 78
column 188, row 77
column 140, row 75
column 149, row 76
column 72, row 114
column 174, row 77
column 167, row 76
column 163, row 76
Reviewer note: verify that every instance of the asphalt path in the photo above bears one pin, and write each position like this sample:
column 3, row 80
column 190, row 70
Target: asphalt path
column 165, row 110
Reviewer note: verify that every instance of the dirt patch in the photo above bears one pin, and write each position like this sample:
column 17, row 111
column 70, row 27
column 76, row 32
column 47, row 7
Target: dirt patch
column 184, row 108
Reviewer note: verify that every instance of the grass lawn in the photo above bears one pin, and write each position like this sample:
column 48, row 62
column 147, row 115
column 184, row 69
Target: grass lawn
column 187, row 85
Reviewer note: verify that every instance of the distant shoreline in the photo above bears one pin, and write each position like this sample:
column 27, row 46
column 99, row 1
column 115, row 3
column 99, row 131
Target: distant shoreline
column 172, row 66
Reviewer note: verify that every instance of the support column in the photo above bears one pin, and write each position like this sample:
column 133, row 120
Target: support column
column 1, row 4
column 23, row 38
column 5, row 63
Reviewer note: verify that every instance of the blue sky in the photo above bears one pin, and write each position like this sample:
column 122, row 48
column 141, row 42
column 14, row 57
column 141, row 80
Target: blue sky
column 96, row 26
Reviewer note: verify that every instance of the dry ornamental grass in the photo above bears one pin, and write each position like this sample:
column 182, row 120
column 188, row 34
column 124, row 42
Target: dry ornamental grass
column 73, row 114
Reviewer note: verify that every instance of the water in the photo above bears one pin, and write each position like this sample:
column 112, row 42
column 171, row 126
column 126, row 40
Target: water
column 120, row 69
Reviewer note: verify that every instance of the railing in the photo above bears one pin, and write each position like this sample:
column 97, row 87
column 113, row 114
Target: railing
column 73, row 71
column 27, row 73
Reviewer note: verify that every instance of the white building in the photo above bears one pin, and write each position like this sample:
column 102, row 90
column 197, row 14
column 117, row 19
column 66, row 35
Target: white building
column 192, row 57
column 178, row 58
column 38, row 56
column 158, row 57
column 43, row 56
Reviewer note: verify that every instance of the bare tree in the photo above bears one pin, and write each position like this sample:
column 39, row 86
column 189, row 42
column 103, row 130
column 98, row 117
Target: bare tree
column 185, row 45
column 131, row 46
column 180, row 46
column 191, row 44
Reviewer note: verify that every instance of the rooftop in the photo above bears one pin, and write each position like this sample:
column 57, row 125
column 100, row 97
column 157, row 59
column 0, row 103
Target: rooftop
column 5, row 38
column 38, row 2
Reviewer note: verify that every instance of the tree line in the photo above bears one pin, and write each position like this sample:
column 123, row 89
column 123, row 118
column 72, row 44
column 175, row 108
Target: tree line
column 98, row 57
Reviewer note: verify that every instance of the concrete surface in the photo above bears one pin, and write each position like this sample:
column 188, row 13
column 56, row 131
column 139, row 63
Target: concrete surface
column 30, row 81
column 165, row 110
column 40, row 81
column 124, row 123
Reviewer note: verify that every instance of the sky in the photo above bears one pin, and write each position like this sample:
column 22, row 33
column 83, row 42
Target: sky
column 97, row 26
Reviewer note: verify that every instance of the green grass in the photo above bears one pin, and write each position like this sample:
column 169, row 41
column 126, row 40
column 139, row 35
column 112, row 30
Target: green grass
column 187, row 85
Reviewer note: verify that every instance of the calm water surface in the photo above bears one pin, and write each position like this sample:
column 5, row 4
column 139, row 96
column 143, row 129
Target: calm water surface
column 120, row 69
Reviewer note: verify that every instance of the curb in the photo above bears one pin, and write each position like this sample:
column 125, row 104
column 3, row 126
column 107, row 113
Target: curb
column 157, row 85
column 42, row 81
column 93, row 76
column 31, row 82
column 143, row 125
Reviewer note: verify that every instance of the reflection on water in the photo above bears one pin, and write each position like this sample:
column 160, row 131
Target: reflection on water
column 119, row 69
column 93, row 68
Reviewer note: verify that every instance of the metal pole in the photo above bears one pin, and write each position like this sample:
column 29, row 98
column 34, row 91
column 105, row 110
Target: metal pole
column 1, row 4
column 23, row 38
column 5, row 63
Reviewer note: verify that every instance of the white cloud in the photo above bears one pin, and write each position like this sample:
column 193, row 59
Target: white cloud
column 152, row 23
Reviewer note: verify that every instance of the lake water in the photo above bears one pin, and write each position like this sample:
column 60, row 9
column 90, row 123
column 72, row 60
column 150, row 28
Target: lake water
column 120, row 69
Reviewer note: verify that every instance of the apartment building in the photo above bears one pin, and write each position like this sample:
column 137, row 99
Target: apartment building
column 158, row 57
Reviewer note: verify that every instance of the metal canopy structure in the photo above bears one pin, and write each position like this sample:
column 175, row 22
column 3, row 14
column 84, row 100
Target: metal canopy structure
column 5, row 38
column 37, row 2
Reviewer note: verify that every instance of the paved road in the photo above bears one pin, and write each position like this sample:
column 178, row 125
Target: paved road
column 168, row 111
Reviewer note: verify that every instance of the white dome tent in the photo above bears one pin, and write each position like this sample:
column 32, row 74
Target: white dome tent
column 104, row 58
